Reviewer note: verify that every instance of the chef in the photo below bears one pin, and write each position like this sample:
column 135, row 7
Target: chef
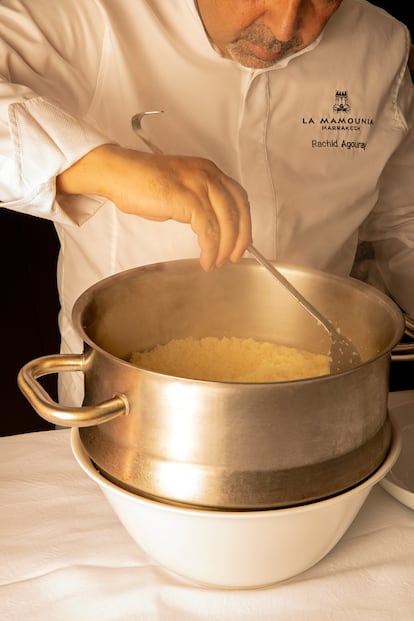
column 289, row 122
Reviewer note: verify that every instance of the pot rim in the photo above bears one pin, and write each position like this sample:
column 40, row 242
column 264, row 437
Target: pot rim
column 382, row 299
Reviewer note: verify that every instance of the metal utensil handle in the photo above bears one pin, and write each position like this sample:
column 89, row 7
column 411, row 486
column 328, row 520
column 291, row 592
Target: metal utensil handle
column 292, row 290
column 58, row 414
column 136, row 123
column 403, row 352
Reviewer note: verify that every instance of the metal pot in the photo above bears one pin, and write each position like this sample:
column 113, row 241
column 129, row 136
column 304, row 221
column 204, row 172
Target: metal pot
column 216, row 444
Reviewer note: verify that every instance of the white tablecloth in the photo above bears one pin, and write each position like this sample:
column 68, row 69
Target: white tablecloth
column 64, row 556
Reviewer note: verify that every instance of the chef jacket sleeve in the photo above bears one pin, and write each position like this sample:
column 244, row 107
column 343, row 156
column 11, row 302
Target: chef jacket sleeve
column 44, row 99
column 390, row 226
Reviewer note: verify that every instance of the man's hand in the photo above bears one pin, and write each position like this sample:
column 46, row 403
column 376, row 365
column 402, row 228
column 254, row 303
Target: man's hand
column 190, row 190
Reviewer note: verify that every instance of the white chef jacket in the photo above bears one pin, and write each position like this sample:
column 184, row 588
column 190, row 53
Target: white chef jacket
column 322, row 142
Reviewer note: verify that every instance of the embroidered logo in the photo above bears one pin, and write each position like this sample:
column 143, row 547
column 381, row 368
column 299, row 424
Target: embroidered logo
column 341, row 102
column 339, row 120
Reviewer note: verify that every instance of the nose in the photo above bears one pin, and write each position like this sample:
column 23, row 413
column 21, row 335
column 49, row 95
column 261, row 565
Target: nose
column 282, row 18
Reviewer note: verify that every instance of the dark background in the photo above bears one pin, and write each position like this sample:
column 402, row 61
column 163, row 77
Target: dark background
column 28, row 312
column 400, row 9
column 29, row 302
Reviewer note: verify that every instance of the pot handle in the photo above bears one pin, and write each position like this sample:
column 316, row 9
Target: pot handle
column 57, row 414
column 403, row 352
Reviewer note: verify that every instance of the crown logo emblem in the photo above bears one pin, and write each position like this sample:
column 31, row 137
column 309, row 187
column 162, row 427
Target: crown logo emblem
column 341, row 102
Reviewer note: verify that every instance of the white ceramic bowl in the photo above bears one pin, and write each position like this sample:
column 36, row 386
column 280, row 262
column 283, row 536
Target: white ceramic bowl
column 243, row 549
column 399, row 481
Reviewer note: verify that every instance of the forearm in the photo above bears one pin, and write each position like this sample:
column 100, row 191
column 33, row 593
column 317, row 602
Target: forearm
column 132, row 180
column 89, row 175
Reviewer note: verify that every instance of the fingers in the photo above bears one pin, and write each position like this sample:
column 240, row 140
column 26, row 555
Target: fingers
column 215, row 205
column 243, row 218
column 220, row 217
column 230, row 205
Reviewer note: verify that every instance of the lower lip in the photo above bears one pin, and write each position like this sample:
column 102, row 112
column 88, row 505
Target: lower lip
column 263, row 53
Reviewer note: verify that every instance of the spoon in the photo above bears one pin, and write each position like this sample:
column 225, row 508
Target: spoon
column 342, row 352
